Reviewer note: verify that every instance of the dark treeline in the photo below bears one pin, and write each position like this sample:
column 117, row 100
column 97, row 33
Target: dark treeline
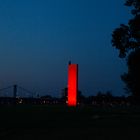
column 101, row 99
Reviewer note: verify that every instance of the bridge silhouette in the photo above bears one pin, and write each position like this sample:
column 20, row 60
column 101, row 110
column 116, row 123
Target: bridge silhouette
column 15, row 91
column 13, row 95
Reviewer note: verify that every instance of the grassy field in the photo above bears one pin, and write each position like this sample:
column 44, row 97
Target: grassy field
column 60, row 122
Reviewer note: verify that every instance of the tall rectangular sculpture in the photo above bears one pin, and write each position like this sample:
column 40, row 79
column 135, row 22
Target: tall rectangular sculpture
column 72, row 84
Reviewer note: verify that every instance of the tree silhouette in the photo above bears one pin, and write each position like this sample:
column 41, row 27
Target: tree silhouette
column 132, row 77
column 126, row 39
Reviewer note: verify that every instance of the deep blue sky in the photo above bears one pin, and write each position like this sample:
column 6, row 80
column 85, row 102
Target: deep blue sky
column 39, row 37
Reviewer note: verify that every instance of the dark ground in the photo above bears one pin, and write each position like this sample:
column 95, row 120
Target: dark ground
column 60, row 122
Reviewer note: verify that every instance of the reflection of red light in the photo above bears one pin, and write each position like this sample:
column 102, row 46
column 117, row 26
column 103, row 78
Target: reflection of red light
column 72, row 84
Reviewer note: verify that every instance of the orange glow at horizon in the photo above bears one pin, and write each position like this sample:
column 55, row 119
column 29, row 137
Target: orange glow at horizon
column 72, row 84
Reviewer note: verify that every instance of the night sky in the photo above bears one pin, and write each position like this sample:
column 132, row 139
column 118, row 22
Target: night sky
column 39, row 37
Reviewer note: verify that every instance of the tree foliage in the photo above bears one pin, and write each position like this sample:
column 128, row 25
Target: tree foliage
column 126, row 39
column 132, row 77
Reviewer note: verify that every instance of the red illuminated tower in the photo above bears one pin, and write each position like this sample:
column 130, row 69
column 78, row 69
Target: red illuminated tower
column 72, row 84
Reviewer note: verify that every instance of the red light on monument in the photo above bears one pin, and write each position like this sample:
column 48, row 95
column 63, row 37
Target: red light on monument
column 72, row 84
